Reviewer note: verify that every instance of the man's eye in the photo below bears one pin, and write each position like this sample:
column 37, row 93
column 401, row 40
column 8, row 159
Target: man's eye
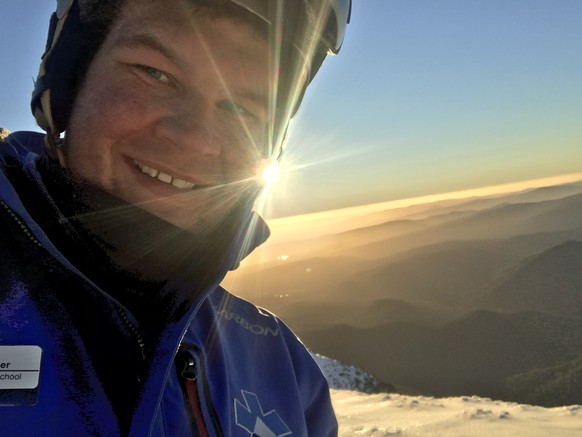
column 230, row 106
column 156, row 74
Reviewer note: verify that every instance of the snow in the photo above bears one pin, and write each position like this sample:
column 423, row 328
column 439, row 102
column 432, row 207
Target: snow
column 391, row 414
column 342, row 376
column 364, row 407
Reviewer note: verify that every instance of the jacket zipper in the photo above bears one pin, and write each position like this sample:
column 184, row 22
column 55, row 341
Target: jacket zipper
column 21, row 224
column 134, row 330
column 131, row 327
column 188, row 373
column 198, row 391
column 191, row 388
column 207, row 400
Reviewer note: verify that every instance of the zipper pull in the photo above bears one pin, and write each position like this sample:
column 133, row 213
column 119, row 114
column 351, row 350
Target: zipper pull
column 189, row 367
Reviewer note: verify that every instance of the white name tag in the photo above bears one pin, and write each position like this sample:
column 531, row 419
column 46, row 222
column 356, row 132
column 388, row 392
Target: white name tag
column 19, row 367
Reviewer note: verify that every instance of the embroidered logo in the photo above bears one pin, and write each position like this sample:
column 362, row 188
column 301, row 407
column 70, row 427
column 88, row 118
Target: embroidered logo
column 250, row 416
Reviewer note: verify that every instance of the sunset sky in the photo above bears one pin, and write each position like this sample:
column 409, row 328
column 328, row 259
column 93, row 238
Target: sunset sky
column 425, row 97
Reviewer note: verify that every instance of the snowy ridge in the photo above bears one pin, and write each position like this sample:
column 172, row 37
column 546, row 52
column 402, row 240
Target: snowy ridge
column 368, row 407
column 343, row 377
column 392, row 414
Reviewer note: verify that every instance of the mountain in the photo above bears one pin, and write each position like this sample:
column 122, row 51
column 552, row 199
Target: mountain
column 394, row 414
column 452, row 273
column 450, row 254
column 365, row 406
column 453, row 278
column 560, row 384
column 476, row 353
column 504, row 221
column 480, row 296
column 343, row 377
column 550, row 282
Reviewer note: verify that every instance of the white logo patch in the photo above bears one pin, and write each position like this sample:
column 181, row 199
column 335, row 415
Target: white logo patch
column 249, row 416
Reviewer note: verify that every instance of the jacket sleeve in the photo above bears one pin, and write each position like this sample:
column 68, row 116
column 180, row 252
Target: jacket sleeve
column 317, row 405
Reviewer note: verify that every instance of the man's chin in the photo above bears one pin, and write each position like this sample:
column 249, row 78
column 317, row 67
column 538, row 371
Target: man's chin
column 195, row 221
column 200, row 212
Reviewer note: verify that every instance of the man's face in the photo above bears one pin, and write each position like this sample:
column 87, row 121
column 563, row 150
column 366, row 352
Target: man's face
column 173, row 112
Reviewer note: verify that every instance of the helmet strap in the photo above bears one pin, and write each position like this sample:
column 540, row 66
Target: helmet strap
column 54, row 145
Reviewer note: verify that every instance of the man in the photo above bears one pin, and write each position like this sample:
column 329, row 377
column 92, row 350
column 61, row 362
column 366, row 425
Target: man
column 118, row 226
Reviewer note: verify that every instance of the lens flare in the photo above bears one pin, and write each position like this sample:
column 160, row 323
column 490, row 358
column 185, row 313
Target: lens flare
column 269, row 172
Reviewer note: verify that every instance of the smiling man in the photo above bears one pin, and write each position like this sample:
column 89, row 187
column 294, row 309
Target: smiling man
column 120, row 222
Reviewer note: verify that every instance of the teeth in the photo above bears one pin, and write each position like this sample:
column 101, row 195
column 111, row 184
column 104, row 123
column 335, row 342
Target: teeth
column 179, row 183
column 164, row 177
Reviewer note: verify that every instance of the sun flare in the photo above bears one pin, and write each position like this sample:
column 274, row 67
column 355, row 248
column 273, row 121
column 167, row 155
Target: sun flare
column 270, row 172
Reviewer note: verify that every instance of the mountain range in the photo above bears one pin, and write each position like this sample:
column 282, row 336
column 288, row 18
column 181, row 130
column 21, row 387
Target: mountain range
column 481, row 296
column 364, row 406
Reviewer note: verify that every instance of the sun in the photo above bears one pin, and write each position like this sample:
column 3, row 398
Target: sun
column 269, row 172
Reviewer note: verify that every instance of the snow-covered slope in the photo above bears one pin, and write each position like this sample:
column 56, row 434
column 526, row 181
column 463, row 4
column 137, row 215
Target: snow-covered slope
column 391, row 414
column 367, row 407
column 344, row 377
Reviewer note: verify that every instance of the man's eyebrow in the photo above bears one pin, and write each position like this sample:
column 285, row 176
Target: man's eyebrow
column 148, row 41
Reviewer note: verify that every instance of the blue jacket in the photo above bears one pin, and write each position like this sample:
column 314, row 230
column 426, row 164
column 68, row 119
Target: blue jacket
column 251, row 376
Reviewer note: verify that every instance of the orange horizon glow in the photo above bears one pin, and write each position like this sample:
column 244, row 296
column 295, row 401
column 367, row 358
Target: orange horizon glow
column 318, row 223
column 491, row 190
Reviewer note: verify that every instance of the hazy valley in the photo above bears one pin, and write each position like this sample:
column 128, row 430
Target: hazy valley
column 479, row 296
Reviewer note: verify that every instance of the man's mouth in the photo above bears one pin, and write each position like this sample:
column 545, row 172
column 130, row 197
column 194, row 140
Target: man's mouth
column 164, row 177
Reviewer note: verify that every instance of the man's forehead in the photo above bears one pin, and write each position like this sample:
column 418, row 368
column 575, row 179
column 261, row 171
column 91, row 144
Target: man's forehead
column 226, row 39
column 187, row 41
column 161, row 12
column 171, row 16
column 183, row 11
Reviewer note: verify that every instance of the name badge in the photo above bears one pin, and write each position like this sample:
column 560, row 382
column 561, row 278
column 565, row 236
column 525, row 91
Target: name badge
column 19, row 367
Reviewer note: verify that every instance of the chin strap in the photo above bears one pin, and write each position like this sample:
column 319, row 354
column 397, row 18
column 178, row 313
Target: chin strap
column 53, row 145
column 52, row 138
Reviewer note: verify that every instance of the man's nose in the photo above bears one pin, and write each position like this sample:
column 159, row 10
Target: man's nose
column 191, row 129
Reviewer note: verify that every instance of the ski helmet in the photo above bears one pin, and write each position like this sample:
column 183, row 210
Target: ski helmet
column 314, row 28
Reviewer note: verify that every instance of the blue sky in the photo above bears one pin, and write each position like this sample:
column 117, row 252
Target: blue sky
column 425, row 97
